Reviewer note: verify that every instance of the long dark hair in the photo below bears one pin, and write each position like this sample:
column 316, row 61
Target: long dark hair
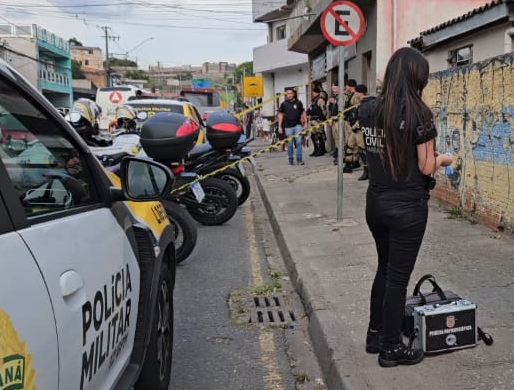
column 400, row 112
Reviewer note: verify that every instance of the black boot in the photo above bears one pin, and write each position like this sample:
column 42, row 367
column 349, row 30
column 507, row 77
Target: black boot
column 364, row 175
column 399, row 354
column 322, row 147
column 315, row 144
column 334, row 154
column 347, row 168
column 372, row 341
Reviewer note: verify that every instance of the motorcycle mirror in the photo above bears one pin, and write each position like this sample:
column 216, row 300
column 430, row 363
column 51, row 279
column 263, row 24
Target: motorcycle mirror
column 142, row 115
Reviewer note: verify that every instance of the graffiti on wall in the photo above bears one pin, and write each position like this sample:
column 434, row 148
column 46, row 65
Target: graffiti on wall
column 474, row 114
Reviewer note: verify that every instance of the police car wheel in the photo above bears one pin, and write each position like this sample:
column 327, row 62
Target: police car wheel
column 157, row 366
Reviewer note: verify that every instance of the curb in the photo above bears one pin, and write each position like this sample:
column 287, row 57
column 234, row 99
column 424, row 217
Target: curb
column 334, row 379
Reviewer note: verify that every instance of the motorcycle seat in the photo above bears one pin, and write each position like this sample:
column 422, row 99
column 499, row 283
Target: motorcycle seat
column 199, row 150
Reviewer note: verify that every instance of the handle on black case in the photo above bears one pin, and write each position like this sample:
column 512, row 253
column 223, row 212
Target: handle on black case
column 486, row 337
column 435, row 286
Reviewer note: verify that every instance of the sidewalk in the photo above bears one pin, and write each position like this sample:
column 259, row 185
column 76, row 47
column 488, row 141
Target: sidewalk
column 332, row 267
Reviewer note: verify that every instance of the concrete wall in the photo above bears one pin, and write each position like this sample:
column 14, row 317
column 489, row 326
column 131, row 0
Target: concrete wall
column 82, row 54
column 400, row 21
column 474, row 107
column 485, row 45
column 28, row 67
column 290, row 77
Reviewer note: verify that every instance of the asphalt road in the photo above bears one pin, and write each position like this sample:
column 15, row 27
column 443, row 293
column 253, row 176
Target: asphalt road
column 209, row 352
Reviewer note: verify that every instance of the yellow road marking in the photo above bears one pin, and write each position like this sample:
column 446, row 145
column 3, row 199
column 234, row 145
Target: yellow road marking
column 255, row 265
column 272, row 378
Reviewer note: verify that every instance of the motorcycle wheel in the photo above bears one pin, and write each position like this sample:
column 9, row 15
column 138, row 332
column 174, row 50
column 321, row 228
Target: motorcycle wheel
column 219, row 204
column 239, row 183
column 184, row 227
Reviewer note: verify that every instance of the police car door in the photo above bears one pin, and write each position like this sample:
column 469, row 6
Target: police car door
column 28, row 357
column 82, row 252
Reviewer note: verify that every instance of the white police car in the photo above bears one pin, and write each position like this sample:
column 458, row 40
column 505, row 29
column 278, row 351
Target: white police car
column 86, row 276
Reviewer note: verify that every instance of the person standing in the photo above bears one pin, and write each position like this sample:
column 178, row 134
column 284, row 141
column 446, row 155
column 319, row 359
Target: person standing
column 317, row 113
column 248, row 121
column 399, row 134
column 291, row 119
column 355, row 142
column 333, row 111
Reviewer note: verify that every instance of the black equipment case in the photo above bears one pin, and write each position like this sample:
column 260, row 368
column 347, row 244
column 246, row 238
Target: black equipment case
column 168, row 136
column 440, row 320
column 223, row 130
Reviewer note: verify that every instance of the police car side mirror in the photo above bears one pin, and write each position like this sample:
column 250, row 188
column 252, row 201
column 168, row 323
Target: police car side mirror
column 142, row 180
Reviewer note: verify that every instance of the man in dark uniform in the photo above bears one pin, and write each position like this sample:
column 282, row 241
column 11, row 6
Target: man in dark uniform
column 317, row 113
column 291, row 119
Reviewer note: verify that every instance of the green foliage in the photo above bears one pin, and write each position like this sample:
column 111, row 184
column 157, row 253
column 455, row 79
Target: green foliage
column 74, row 41
column 120, row 62
column 456, row 212
column 245, row 68
column 76, row 73
column 137, row 74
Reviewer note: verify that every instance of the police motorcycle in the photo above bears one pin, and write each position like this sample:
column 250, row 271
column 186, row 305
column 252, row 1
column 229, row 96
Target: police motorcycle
column 168, row 138
column 206, row 158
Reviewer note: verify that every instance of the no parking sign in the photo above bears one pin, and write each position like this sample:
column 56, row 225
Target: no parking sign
column 342, row 23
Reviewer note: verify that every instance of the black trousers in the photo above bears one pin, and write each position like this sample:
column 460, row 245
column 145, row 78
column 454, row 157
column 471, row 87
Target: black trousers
column 398, row 225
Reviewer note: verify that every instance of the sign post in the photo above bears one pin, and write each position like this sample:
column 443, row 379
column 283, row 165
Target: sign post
column 342, row 24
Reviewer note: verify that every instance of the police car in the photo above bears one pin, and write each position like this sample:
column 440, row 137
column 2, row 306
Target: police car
column 87, row 269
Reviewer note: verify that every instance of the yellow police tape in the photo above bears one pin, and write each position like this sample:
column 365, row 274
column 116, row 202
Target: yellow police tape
column 266, row 149
column 239, row 115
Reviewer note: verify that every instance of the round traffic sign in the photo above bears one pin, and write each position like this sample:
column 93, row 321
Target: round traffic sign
column 115, row 97
column 342, row 23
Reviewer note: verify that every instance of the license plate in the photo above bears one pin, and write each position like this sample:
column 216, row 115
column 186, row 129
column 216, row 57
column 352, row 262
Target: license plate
column 241, row 168
column 252, row 161
column 198, row 191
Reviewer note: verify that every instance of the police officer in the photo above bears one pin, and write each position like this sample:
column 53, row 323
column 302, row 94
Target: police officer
column 356, row 140
column 317, row 113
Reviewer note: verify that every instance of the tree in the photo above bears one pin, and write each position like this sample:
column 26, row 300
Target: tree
column 121, row 62
column 74, row 42
column 138, row 74
column 76, row 72
column 245, row 68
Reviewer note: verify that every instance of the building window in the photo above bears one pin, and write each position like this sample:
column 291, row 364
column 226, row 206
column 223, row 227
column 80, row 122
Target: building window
column 460, row 56
column 281, row 32
column 86, row 62
column 90, row 51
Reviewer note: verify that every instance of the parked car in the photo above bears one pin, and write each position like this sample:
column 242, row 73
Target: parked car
column 153, row 106
column 87, row 269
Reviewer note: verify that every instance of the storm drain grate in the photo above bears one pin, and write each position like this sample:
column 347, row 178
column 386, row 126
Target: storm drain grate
column 271, row 310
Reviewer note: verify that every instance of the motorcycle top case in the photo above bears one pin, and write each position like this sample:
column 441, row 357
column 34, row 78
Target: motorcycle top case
column 445, row 327
column 168, row 136
column 223, row 130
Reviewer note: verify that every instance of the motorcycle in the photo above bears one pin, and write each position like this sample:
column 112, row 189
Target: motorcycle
column 168, row 138
column 204, row 159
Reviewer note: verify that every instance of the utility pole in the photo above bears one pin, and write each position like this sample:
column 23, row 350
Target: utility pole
column 107, row 62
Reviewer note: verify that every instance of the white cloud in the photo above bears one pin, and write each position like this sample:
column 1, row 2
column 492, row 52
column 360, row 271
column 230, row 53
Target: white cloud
column 183, row 32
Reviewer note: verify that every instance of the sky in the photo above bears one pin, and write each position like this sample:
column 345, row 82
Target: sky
column 151, row 32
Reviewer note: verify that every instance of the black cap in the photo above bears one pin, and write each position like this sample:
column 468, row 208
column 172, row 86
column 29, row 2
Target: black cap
column 316, row 89
column 361, row 88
